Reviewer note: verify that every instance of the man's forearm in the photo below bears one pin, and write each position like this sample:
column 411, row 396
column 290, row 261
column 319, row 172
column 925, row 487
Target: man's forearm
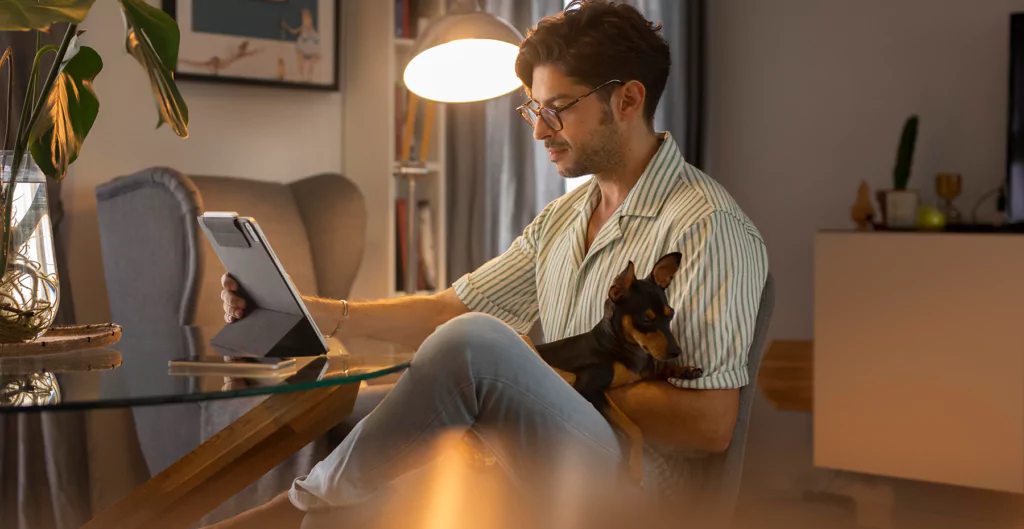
column 406, row 320
column 278, row 513
column 680, row 418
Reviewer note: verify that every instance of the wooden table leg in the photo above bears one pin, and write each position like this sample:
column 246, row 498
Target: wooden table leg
column 230, row 460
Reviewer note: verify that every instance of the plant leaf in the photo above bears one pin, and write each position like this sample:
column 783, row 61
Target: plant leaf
column 158, row 26
column 152, row 37
column 69, row 114
column 22, row 15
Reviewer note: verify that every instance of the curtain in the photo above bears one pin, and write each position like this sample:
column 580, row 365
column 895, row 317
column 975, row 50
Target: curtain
column 499, row 177
column 681, row 109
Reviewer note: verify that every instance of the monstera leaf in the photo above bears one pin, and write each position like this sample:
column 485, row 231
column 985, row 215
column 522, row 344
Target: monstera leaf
column 70, row 111
column 20, row 15
column 152, row 37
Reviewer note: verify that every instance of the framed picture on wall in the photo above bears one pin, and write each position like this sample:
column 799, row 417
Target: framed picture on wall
column 291, row 43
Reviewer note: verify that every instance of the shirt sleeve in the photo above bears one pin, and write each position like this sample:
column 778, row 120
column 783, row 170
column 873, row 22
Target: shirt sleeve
column 716, row 294
column 506, row 287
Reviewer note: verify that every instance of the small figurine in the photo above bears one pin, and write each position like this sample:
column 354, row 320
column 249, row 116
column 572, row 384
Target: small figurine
column 862, row 211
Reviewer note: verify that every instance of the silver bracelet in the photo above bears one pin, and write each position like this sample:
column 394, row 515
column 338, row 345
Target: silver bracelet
column 344, row 314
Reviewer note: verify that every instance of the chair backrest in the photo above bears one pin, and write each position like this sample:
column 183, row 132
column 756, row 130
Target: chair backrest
column 732, row 468
column 276, row 211
column 721, row 473
column 161, row 270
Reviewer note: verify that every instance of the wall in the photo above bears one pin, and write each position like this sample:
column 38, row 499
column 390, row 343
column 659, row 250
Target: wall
column 807, row 98
column 255, row 132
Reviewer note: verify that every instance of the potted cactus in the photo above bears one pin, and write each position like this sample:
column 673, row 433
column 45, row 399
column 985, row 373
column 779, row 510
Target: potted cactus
column 899, row 204
column 58, row 110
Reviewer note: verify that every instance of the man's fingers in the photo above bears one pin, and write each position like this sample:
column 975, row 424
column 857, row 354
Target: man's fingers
column 228, row 282
column 232, row 300
column 234, row 305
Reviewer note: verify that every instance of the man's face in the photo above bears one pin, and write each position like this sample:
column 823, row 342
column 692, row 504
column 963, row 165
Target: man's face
column 589, row 140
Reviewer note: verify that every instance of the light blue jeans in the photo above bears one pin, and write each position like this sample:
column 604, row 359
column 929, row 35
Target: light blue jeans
column 473, row 372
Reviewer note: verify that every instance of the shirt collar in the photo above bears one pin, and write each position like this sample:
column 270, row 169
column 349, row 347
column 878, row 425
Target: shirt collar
column 651, row 190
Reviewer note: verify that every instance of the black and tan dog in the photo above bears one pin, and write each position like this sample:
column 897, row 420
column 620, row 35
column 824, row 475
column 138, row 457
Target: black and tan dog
column 631, row 343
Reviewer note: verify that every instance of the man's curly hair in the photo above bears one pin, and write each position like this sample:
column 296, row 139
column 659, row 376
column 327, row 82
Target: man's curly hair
column 594, row 41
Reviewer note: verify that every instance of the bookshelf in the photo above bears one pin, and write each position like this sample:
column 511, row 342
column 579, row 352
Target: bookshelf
column 375, row 55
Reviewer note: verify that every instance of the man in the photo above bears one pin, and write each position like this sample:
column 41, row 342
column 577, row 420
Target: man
column 594, row 75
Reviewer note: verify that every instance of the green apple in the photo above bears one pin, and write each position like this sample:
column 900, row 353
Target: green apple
column 930, row 218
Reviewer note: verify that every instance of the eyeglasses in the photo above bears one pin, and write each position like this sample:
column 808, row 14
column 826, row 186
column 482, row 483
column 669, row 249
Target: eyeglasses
column 530, row 109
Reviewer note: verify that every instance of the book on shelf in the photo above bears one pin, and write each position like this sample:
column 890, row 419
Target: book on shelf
column 401, row 114
column 426, row 246
column 401, row 222
column 405, row 19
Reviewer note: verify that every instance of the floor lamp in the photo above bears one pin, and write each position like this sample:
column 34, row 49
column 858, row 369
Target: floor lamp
column 466, row 55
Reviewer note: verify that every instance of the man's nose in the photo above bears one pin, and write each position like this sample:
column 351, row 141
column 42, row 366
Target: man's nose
column 541, row 129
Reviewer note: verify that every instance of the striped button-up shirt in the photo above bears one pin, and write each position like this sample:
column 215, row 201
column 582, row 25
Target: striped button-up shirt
column 674, row 207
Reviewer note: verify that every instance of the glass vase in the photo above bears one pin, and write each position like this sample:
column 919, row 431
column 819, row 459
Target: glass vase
column 29, row 288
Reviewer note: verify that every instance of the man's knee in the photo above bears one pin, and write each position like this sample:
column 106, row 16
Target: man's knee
column 475, row 335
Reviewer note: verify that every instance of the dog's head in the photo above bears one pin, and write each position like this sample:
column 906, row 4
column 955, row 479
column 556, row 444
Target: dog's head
column 640, row 311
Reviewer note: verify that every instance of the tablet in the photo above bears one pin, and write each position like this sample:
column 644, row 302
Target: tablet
column 277, row 322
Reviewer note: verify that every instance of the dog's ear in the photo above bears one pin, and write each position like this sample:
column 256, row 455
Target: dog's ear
column 622, row 283
column 665, row 269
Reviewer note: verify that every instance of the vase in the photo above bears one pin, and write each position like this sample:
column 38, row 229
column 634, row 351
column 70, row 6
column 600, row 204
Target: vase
column 900, row 208
column 29, row 287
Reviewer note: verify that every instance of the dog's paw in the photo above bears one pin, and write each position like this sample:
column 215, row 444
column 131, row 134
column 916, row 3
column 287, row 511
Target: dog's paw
column 692, row 373
column 684, row 372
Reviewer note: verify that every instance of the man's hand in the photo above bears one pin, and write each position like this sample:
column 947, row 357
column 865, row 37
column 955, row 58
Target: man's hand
column 234, row 303
column 678, row 418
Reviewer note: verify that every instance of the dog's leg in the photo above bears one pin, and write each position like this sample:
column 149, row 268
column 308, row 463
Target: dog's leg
column 636, row 439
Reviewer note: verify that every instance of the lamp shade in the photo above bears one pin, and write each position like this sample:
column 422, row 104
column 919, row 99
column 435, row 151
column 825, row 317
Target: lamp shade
column 466, row 55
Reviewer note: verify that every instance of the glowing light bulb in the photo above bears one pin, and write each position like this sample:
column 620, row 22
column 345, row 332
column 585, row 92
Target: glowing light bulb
column 464, row 70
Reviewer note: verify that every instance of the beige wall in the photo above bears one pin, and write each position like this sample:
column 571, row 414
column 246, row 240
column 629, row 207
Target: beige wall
column 808, row 98
column 255, row 132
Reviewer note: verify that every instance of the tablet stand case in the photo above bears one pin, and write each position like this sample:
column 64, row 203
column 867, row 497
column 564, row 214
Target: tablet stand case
column 274, row 324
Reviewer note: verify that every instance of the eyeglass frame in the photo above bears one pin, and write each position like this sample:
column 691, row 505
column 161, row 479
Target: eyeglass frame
column 554, row 112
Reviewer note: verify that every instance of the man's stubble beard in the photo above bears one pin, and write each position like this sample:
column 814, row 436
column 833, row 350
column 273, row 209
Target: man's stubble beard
column 599, row 152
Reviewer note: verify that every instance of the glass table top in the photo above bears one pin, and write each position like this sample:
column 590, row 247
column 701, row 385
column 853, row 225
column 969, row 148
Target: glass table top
column 136, row 371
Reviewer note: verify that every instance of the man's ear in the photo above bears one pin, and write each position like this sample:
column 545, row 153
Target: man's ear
column 665, row 269
column 622, row 283
column 631, row 101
